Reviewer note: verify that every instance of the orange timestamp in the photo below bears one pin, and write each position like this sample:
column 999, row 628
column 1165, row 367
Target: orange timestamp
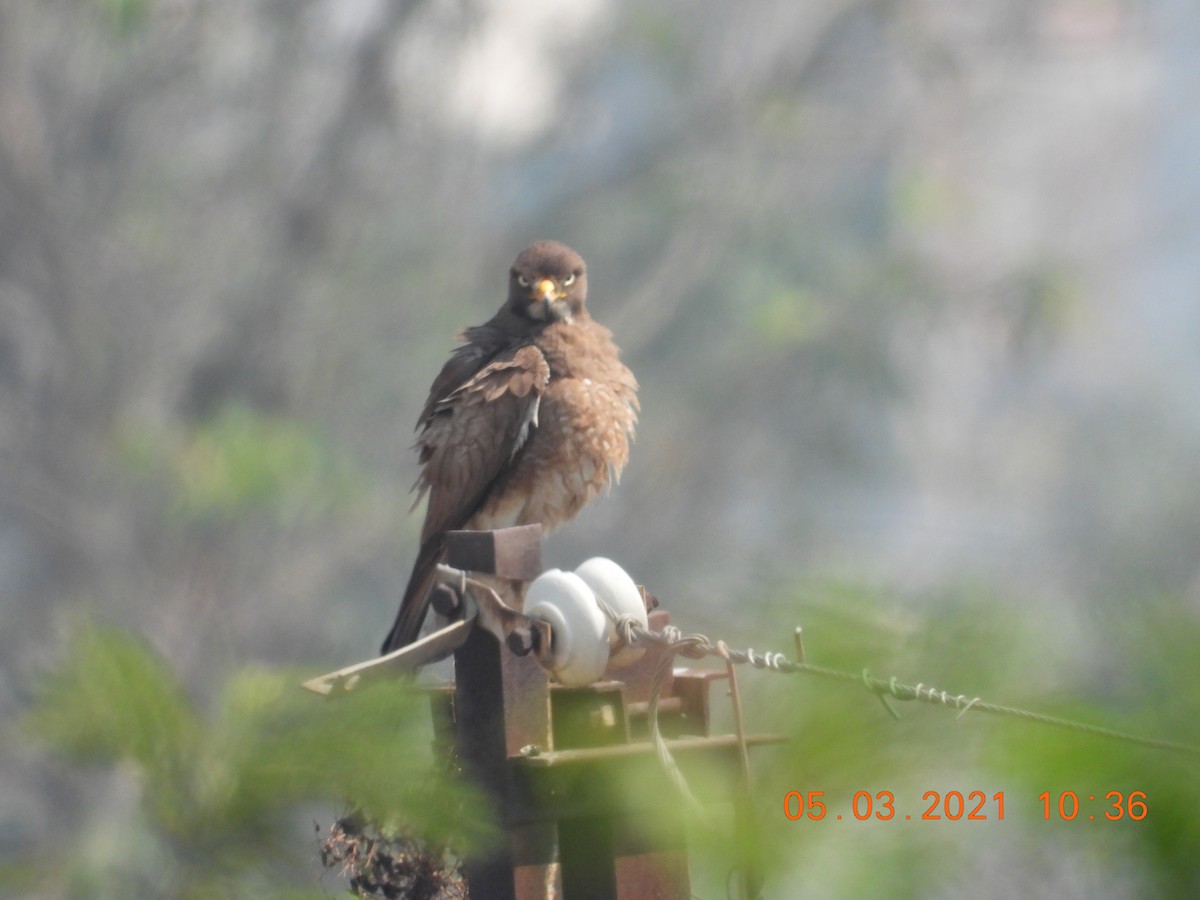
column 971, row 806
column 1069, row 805
column 953, row 806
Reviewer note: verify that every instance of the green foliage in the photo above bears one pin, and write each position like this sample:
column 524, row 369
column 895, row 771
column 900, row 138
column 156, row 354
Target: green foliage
column 111, row 699
column 124, row 16
column 841, row 741
column 216, row 789
column 924, row 198
column 1160, row 640
column 786, row 316
column 240, row 461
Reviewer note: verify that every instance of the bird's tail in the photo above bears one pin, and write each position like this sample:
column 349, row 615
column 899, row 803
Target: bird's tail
column 416, row 596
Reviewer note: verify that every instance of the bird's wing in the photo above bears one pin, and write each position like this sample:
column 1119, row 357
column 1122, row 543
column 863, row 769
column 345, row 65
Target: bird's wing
column 469, row 436
column 472, row 434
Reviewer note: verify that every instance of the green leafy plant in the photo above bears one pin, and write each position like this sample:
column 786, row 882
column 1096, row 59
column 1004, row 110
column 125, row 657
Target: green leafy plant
column 217, row 788
column 239, row 462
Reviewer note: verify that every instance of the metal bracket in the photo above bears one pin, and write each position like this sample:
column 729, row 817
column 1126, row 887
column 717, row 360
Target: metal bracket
column 479, row 604
column 399, row 662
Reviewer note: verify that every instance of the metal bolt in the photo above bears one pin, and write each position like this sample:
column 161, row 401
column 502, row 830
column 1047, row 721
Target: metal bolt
column 445, row 600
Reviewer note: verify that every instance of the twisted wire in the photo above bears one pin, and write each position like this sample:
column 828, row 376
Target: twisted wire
column 697, row 646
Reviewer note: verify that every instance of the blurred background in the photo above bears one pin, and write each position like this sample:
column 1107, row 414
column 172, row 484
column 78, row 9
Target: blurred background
column 911, row 290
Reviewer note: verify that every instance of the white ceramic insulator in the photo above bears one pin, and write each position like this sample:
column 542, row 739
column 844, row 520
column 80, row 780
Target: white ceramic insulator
column 579, row 653
column 613, row 585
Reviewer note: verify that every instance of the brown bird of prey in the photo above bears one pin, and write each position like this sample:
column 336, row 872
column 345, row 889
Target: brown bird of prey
column 528, row 421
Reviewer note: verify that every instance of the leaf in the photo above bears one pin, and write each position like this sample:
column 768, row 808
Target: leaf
column 113, row 698
column 217, row 790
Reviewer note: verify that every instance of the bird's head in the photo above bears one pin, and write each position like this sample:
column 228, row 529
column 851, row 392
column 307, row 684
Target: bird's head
column 547, row 283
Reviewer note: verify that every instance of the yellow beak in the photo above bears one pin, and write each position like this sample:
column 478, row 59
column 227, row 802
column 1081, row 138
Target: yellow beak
column 546, row 289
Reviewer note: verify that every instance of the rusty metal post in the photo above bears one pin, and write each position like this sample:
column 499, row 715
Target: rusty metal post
column 479, row 716
column 502, row 704
column 550, row 760
column 551, row 764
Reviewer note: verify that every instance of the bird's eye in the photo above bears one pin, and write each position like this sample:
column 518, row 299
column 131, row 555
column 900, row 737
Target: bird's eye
column 569, row 280
column 522, row 281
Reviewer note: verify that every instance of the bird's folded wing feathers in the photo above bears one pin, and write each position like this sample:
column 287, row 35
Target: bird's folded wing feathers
column 472, row 433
